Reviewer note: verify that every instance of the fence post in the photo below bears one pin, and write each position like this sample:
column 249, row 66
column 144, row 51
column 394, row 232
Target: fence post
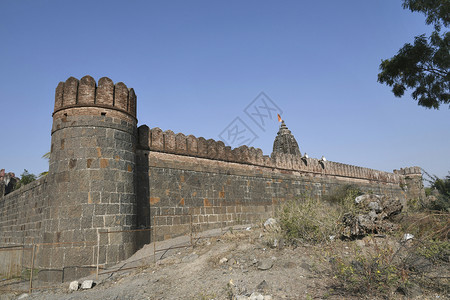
column 98, row 250
column 191, row 229
column 32, row 268
column 154, row 239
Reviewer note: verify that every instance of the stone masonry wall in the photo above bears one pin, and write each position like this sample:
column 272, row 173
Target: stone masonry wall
column 23, row 214
column 187, row 182
column 106, row 174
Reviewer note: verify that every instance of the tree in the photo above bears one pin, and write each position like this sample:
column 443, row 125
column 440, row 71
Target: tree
column 423, row 66
column 47, row 157
column 25, row 178
column 440, row 189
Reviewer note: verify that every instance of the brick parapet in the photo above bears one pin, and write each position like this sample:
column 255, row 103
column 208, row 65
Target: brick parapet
column 168, row 142
column 217, row 193
column 74, row 93
column 409, row 171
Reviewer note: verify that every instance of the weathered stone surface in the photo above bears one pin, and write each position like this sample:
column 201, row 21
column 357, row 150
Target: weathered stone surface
column 100, row 179
column 373, row 218
column 105, row 92
column 74, row 286
column 86, row 90
column 265, row 264
column 8, row 182
column 271, row 224
column 121, row 96
column 285, row 142
column 70, row 91
column 87, row 284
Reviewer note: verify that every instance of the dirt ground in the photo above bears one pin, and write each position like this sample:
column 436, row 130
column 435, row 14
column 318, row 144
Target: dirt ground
column 240, row 263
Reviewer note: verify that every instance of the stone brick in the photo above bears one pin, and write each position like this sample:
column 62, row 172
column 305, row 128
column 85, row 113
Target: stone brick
column 105, row 91
column 86, row 90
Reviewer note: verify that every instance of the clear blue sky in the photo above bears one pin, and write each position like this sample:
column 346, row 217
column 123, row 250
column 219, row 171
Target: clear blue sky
column 196, row 65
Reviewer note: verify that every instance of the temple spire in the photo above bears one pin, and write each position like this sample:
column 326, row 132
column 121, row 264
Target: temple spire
column 285, row 141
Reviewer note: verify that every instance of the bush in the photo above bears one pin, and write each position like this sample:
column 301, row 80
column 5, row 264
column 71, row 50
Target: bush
column 344, row 198
column 368, row 273
column 426, row 225
column 308, row 221
column 25, row 178
column 440, row 188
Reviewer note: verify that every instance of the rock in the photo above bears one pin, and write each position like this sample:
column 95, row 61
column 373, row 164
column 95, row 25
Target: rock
column 87, row 284
column 407, row 236
column 275, row 243
column 373, row 218
column 262, row 286
column 223, row 260
column 412, row 291
column 74, row 286
column 256, row 296
column 265, row 264
column 267, row 297
column 360, row 243
column 306, row 267
column 271, row 224
column 374, row 206
column 241, row 297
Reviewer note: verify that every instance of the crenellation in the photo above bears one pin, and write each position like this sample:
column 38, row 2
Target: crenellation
column 157, row 139
column 108, row 174
column 252, row 155
column 70, row 92
column 59, row 92
column 228, row 153
column 180, row 143
column 259, row 157
column 243, row 154
column 105, row 92
column 202, row 147
column 192, row 145
column 221, row 151
column 121, row 96
column 132, row 102
column 211, row 149
column 144, row 137
column 86, row 90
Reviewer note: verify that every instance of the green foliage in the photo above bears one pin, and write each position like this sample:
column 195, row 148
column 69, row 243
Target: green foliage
column 308, row 221
column 313, row 221
column 440, row 188
column 368, row 273
column 436, row 251
column 47, row 157
column 344, row 198
column 25, row 178
column 425, row 65
column 436, row 12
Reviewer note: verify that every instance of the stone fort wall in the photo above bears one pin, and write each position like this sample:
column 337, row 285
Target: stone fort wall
column 181, row 175
column 108, row 175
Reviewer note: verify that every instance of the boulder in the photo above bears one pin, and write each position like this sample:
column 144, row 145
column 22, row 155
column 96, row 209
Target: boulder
column 87, row 284
column 374, row 214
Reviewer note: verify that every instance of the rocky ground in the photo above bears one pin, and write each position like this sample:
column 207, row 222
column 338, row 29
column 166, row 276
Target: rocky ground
column 240, row 263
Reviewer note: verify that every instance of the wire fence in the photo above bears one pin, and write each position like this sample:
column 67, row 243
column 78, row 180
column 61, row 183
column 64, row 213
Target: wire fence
column 19, row 269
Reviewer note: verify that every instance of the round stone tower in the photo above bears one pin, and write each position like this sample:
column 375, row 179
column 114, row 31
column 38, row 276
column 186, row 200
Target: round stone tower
column 92, row 165
column 285, row 142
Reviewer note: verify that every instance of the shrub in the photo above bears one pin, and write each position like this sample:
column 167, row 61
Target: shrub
column 368, row 273
column 344, row 198
column 440, row 188
column 308, row 220
column 25, row 178
column 426, row 225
